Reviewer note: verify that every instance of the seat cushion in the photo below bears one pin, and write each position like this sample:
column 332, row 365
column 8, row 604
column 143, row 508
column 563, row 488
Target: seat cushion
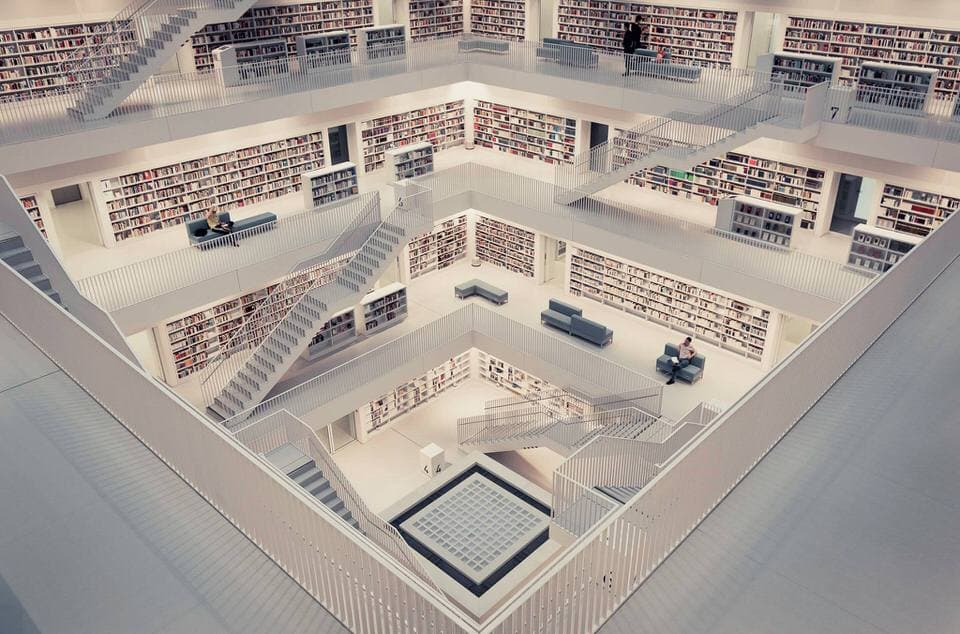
column 690, row 373
column 555, row 319
column 199, row 232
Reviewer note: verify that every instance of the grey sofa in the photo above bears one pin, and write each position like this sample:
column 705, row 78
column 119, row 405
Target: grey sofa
column 481, row 289
column 496, row 47
column 643, row 63
column 199, row 233
column 570, row 320
column 691, row 374
column 568, row 53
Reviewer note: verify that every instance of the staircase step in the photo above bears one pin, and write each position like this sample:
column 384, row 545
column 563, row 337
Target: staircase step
column 10, row 243
column 41, row 281
column 16, row 256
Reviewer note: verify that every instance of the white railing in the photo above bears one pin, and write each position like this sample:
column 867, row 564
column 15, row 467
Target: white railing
column 895, row 111
column 579, row 591
column 138, row 282
column 176, row 94
column 470, row 326
column 577, row 509
column 283, row 428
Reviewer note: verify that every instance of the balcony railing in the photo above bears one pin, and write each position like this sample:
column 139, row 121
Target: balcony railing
column 895, row 111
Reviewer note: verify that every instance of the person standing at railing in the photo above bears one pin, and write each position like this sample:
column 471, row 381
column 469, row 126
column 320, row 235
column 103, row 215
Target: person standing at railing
column 223, row 228
column 629, row 45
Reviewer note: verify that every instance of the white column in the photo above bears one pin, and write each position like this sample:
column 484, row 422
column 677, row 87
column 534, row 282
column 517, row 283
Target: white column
column 771, row 346
column 828, row 197
column 742, row 38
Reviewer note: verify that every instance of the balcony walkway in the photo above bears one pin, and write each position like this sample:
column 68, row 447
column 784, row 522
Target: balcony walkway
column 850, row 523
column 98, row 535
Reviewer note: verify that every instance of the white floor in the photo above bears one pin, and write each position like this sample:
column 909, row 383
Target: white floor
column 386, row 468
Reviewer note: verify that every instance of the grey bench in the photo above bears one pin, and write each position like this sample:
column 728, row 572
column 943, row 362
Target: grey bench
column 496, row 47
column 567, row 53
column 691, row 373
column 643, row 63
column 570, row 319
column 199, row 233
column 482, row 289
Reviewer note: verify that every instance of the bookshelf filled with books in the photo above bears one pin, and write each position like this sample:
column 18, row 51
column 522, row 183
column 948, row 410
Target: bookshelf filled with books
column 694, row 36
column 502, row 19
column 913, row 211
column 757, row 219
column 383, row 43
column 876, row 249
column 33, row 59
column 285, row 22
column 412, row 394
column 430, row 19
column 139, row 203
column 384, row 307
column 32, row 207
column 856, row 42
column 190, row 342
column 506, row 246
column 790, row 184
column 522, row 383
column 330, row 184
column 442, row 125
column 526, row 133
column 800, row 70
column 439, row 248
column 337, row 333
column 409, row 161
column 717, row 318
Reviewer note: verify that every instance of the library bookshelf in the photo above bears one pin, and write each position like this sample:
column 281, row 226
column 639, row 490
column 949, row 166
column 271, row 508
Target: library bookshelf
column 32, row 58
column 522, row 383
column 442, row 125
column 790, row 184
column 429, row 19
column 439, row 248
column 758, row 219
column 139, row 203
column 329, row 185
column 286, row 22
column 408, row 396
column 32, row 207
column 506, row 245
column 501, row 19
column 876, row 249
column 379, row 309
column 723, row 320
column 856, row 42
column 694, row 36
column 527, row 133
column 908, row 210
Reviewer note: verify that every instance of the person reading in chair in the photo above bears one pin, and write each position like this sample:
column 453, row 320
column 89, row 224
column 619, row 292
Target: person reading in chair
column 682, row 360
column 223, row 228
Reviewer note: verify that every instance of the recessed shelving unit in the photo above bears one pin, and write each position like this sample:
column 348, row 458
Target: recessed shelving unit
column 505, row 245
column 699, row 37
column 32, row 207
column 324, row 49
column 526, row 133
column 758, row 219
column 790, row 184
column 412, row 394
column 522, row 383
column 431, row 19
column 286, row 22
column 330, row 184
column 442, row 125
column 855, row 43
column 192, row 341
column 410, row 161
column 720, row 319
column 889, row 87
column 876, row 249
column 379, row 43
column 799, row 69
column 913, row 211
column 502, row 19
column 31, row 58
column 439, row 248
column 250, row 61
column 384, row 307
column 338, row 332
column 141, row 202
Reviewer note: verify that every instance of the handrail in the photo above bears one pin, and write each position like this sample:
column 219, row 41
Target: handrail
column 140, row 281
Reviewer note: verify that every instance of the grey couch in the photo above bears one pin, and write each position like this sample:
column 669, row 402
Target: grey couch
column 570, row 319
column 200, row 234
column 643, row 63
column 691, row 373
column 568, row 53
column 476, row 45
column 481, row 289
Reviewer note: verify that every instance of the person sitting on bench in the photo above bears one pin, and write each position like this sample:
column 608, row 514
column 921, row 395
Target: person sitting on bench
column 687, row 352
column 223, row 228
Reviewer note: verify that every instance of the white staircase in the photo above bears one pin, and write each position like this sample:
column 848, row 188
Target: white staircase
column 678, row 140
column 160, row 28
column 20, row 258
column 242, row 380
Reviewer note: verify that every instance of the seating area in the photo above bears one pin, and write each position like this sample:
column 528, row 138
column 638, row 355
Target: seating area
column 568, row 53
column 691, row 373
column 481, row 289
column 477, row 45
column 200, row 235
column 643, row 63
column 570, row 319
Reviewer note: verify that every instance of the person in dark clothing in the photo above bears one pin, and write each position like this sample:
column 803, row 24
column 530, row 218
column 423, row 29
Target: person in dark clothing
column 642, row 37
column 629, row 44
